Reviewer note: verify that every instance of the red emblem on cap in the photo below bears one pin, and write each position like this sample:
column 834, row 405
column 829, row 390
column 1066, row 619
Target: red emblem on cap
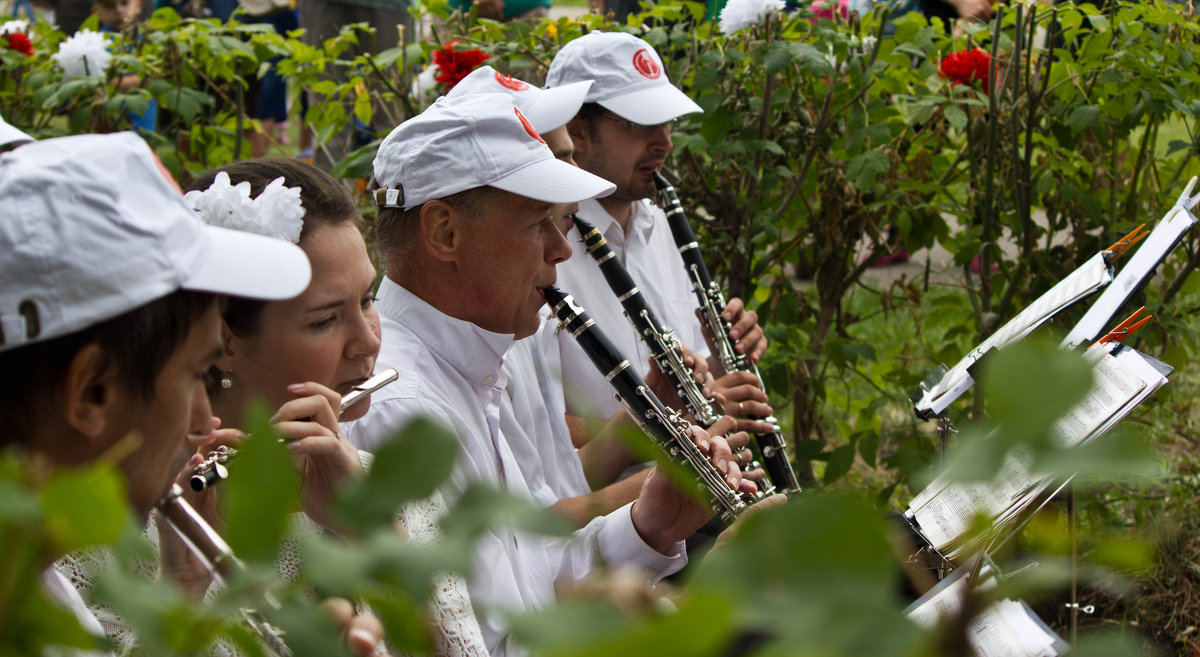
column 528, row 128
column 509, row 82
column 644, row 62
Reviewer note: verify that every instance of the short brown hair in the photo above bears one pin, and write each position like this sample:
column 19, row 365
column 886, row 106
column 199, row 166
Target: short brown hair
column 137, row 345
column 396, row 228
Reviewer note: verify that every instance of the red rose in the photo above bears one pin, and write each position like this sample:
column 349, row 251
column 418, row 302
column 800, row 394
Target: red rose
column 967, row 68
column 453, row 65
column 19, row 42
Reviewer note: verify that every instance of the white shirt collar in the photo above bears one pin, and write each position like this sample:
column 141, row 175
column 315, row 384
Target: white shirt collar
column 474, row 352
column 641, row 217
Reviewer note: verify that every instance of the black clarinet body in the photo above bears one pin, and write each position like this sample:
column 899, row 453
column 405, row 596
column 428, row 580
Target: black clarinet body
column 664, row 348
column 772, row 446
column 666, row 427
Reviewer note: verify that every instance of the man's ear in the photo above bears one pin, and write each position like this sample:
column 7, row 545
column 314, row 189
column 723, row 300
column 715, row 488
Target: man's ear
column 580, row 130
column 91, row 395
column 441, row 230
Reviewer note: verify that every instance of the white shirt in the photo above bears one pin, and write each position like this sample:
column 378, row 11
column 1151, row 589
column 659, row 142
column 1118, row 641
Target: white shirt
column 59, row 590
column 649, row 253
column 451, row 370
column 535, row 428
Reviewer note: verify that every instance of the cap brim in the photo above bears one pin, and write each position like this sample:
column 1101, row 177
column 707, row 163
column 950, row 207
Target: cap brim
column 554, row 181
column 11, row 135
column 556, row 106
column 652, row 105
column 253, row 266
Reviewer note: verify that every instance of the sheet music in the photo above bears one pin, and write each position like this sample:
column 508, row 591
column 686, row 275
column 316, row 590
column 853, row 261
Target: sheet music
column 1153, row 250
column 945, row 510
column 1006, row 628
column 1088, row 278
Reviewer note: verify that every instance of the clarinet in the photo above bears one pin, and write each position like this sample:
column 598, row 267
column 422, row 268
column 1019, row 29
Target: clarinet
column 664, row 348
column 666, row 427
column 712, row 303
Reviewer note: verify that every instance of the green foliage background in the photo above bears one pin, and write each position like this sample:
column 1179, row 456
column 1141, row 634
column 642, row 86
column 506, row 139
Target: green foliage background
column 820, row 139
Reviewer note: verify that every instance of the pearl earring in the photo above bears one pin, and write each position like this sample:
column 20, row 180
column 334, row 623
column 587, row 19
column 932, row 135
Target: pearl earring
column 227, row 380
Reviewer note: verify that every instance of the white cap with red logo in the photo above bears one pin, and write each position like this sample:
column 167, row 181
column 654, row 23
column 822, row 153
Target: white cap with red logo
column 92, row 229
column 471, row 141
column 630, row 80
column 546, row 109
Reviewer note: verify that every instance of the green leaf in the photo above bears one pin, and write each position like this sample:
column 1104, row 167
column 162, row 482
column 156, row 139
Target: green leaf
column 357, row 164
column 956, row 116
column 779, row 565
column 362, row 107
column 863, row 169
column 261, row 492
column 705, row 79
column 482, row 506
column 777, row 58
column 409, row 466
column 838, row 464
column 1031, row 384
column 388, row 57
column 84, row 508
column 1082, row 117
column 868, row 448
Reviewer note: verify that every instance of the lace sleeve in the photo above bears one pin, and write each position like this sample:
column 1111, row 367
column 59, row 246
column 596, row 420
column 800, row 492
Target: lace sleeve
column 456, row 632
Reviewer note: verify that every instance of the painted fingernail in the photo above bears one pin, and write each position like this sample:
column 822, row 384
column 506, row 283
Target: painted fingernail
column 292, row 446
column 362, row 635
column 296, row 387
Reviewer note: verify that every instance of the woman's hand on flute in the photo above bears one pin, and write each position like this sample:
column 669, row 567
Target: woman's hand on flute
column 363, row 632
column 324, row 457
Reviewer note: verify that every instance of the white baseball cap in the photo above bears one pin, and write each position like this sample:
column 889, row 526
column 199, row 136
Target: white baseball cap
column 546, row 109
column 91, row 229
column 471, row 141
column 629, row 77
column 11, row 135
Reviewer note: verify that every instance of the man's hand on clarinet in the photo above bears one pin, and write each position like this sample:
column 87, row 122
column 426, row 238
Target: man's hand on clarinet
column 662, row 387
column 744, row 331
column 664, row 515
column 739, row 443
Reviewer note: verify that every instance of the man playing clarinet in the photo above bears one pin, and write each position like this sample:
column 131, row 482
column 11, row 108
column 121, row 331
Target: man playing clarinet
column 623, row 134
column 466, row 226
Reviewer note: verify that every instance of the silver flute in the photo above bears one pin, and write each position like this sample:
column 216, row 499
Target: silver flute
column 213, row 469
column 215, row 553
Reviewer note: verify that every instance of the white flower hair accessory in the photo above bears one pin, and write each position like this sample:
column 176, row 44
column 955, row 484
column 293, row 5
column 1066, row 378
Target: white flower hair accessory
column 84, row 54
column 740, row 14
column 277, row 212
column 15, row 26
